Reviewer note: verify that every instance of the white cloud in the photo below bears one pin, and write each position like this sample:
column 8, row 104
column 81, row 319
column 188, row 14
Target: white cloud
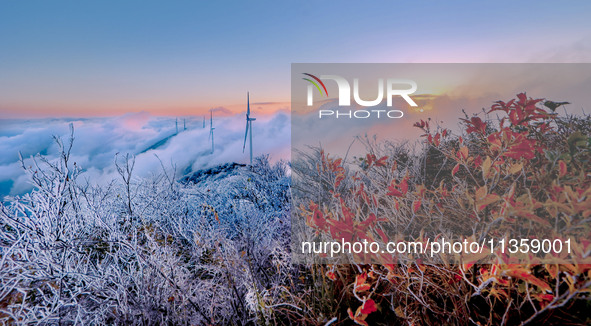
column 97, row 140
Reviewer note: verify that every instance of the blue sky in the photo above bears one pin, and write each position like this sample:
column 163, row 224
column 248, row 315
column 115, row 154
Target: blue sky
column 75, row 58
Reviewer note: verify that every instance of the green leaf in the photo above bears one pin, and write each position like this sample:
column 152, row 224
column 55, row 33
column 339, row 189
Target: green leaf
column 566, row 157
column 576, row 139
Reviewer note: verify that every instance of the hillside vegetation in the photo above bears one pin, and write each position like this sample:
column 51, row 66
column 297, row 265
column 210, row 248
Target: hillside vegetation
column 214, row 247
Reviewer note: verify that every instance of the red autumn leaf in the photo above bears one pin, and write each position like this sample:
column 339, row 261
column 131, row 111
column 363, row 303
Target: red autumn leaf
column 495, row 141
column 562, row 168
column 381, row 161
column 341, row 230
column 336, row 163
column 522, row 148
column 368, row 307
column 350, row 313
column 416, row 205
column 404, row 185
column 421, row 124
column 361, row 192
column 437, row 139
column 358, row 320
column 502, row 106
column 525, row 275
column 463, row 153
column 494, row 269
column 369, row 222
column 360, row 279
column 475, row 124
column 347, row 214
column 363, row 287
column 382, row 235
column 522, row 98
column 398, row 190
column 487, row 200
column 394, row 192
column 467, row 266
column 455, row 169
column 339, row 177
column 331, row 275
column 546, row 297
column 477, row 161
column 316, row 219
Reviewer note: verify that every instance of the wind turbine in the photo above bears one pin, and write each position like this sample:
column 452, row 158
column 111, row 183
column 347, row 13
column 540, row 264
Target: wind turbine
column 249, row 121
column 203, row 122
column 211, row 128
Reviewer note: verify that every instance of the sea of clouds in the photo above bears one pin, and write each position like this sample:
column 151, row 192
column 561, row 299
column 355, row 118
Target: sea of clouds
column 99, row 140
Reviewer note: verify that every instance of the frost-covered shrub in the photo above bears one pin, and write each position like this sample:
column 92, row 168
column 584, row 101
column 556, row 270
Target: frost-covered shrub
column 146, row 251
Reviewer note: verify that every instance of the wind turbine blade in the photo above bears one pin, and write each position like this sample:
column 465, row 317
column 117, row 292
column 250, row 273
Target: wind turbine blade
column 247, row 105
column 245, row 135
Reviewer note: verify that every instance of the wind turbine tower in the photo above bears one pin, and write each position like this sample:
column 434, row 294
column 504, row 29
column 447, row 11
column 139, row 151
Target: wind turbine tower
column 249, row 121
column 211, row 128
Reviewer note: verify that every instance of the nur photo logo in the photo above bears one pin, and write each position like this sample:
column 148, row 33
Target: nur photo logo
column 391, row 87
